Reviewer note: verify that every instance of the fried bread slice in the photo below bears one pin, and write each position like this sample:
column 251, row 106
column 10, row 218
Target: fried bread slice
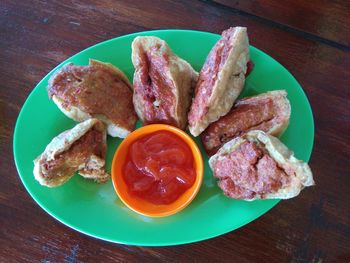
column 163, row 83
column 221, row 79
column 99, row 90
column 82, row 149
column 259, row 166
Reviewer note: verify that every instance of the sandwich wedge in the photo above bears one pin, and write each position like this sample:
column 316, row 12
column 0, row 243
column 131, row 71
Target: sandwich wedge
column 82, row 149
column 99, row 90
column 268, row 112
column 163, row 83
column 221, row 79
column 259, row 166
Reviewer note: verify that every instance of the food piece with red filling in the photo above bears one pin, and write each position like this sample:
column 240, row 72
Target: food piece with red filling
column 258, row 166
column 268, row 112
column 81, row 149
column 163, row 83
column 221, row 79
column 98, row 90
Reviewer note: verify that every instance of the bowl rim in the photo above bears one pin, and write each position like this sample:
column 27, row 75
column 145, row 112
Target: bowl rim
column 198, row 159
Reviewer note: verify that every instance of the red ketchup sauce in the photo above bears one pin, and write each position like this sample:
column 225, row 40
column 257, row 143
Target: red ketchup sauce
column 159, row 168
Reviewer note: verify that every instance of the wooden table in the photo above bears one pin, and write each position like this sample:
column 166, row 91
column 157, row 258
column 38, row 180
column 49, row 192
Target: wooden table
column 310, row 38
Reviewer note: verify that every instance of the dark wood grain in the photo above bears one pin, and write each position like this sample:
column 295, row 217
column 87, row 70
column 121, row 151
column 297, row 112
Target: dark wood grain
column 326, row 19
column 315, row 227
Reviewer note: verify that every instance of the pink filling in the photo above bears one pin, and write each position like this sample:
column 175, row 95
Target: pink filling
column 155, row 88
column 208, row 75
column 248, row 171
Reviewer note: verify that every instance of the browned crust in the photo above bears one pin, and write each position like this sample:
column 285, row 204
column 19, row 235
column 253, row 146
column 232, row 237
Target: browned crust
column 280, row 154
column 180, row 73
column 62, row 143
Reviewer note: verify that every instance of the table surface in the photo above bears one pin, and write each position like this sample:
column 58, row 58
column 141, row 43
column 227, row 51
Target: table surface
column 310, row 38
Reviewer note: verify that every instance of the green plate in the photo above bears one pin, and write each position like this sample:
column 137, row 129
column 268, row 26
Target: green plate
column 94, row 209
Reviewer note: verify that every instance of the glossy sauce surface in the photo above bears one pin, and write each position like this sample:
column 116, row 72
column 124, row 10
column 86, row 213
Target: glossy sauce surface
column 159, row 167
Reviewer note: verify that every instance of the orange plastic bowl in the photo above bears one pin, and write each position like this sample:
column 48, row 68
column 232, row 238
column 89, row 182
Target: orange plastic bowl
column 142, row 206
